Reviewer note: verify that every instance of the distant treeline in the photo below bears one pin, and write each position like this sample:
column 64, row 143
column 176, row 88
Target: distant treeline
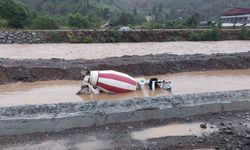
column 86, row 14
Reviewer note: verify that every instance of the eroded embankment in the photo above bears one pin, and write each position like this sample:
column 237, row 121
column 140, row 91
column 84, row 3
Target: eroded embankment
column 111, row 36
column 58, row 117
column 60, row 69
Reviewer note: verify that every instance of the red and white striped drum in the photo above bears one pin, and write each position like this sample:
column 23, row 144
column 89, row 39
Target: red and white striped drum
column 110, row 81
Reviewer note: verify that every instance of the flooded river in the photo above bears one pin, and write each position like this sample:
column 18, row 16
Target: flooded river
column 64, row 91
column 103, row 50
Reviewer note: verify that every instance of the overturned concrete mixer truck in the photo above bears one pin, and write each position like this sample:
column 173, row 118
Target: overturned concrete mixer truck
column 110, row 81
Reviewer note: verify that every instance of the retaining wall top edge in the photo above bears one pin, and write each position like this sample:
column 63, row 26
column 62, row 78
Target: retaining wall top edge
column 96, row 30
column 136, row 104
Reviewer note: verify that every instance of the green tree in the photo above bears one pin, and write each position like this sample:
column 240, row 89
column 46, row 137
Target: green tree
column 154, row 10
column 123, row 18
column 193, row 21
column 89, row 21
column 160, row 9
column 78, row 21
column 3, row 23
column 15, row 13
column 106, row 13
column 135, row 12
column 44, row 22
column 94, row 21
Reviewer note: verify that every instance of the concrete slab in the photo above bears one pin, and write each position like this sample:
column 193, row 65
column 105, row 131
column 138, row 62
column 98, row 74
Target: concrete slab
column 58, row 117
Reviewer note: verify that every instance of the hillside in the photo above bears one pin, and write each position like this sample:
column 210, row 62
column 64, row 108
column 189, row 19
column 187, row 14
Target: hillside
column 208, row 9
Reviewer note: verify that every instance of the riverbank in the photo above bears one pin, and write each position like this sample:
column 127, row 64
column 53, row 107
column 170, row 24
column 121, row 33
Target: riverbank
column 12, row 70
column 113, row 36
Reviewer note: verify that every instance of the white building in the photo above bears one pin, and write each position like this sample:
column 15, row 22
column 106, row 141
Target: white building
column 236, row 17
column 149, row 18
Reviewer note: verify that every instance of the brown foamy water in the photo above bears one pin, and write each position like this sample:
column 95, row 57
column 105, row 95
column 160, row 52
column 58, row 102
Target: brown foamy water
column 187, row 129
column 103, row 50
column 48, row 92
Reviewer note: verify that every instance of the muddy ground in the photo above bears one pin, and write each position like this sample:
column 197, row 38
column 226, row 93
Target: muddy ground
column 232, row 132
column 59, row 69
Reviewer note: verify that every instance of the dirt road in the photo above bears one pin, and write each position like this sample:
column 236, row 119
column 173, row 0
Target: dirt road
column 229, row 130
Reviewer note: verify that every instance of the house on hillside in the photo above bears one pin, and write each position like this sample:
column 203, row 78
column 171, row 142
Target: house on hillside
column 236, row 17
column 149, row 18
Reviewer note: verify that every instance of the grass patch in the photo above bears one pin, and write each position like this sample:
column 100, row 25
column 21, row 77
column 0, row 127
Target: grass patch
column 209, row 35
column 244, row 34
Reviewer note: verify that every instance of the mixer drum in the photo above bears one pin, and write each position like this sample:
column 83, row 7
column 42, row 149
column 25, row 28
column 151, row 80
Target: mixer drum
column 110, row 81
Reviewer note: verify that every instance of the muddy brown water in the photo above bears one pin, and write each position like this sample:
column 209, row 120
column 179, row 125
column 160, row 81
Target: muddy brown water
column 47, row 92
column 188, row 129
column 92, row 143
column 103, row 50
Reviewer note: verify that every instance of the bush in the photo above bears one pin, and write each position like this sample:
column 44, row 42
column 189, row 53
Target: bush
column 214, row 34
column 45, row 23
column 57, row 37
column 78, row 21
column 194, row 36
column 209, row 35
column 193, row 21
column 88, row 39
column 124, row 18
column 3, row 23
column 136, row 38
column 244, row 33
column 15, row 13
column 115, row 36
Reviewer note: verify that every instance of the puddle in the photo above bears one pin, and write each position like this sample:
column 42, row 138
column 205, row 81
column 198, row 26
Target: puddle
column 94, row 144
column 76, row 143
column 39, row 93
column 60, row 145
column 188, row 129
column 48, row 92
column 103, row 50
column 247, row 124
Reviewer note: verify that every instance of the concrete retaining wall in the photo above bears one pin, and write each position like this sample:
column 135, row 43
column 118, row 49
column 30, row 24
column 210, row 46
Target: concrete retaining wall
column 105, row 36
column 58, row 117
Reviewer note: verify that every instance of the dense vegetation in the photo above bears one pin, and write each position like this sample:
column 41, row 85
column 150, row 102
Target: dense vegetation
column 75, row 14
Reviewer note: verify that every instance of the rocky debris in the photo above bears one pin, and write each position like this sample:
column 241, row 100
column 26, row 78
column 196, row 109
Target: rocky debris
column 20, row 37
column 222, row 124
column 203, row 125
column 228, row 131
column 101, row 36
column 248, row 131
column 103, row 107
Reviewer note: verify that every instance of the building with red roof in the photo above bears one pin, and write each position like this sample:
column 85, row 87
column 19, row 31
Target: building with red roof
column 236, row 17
